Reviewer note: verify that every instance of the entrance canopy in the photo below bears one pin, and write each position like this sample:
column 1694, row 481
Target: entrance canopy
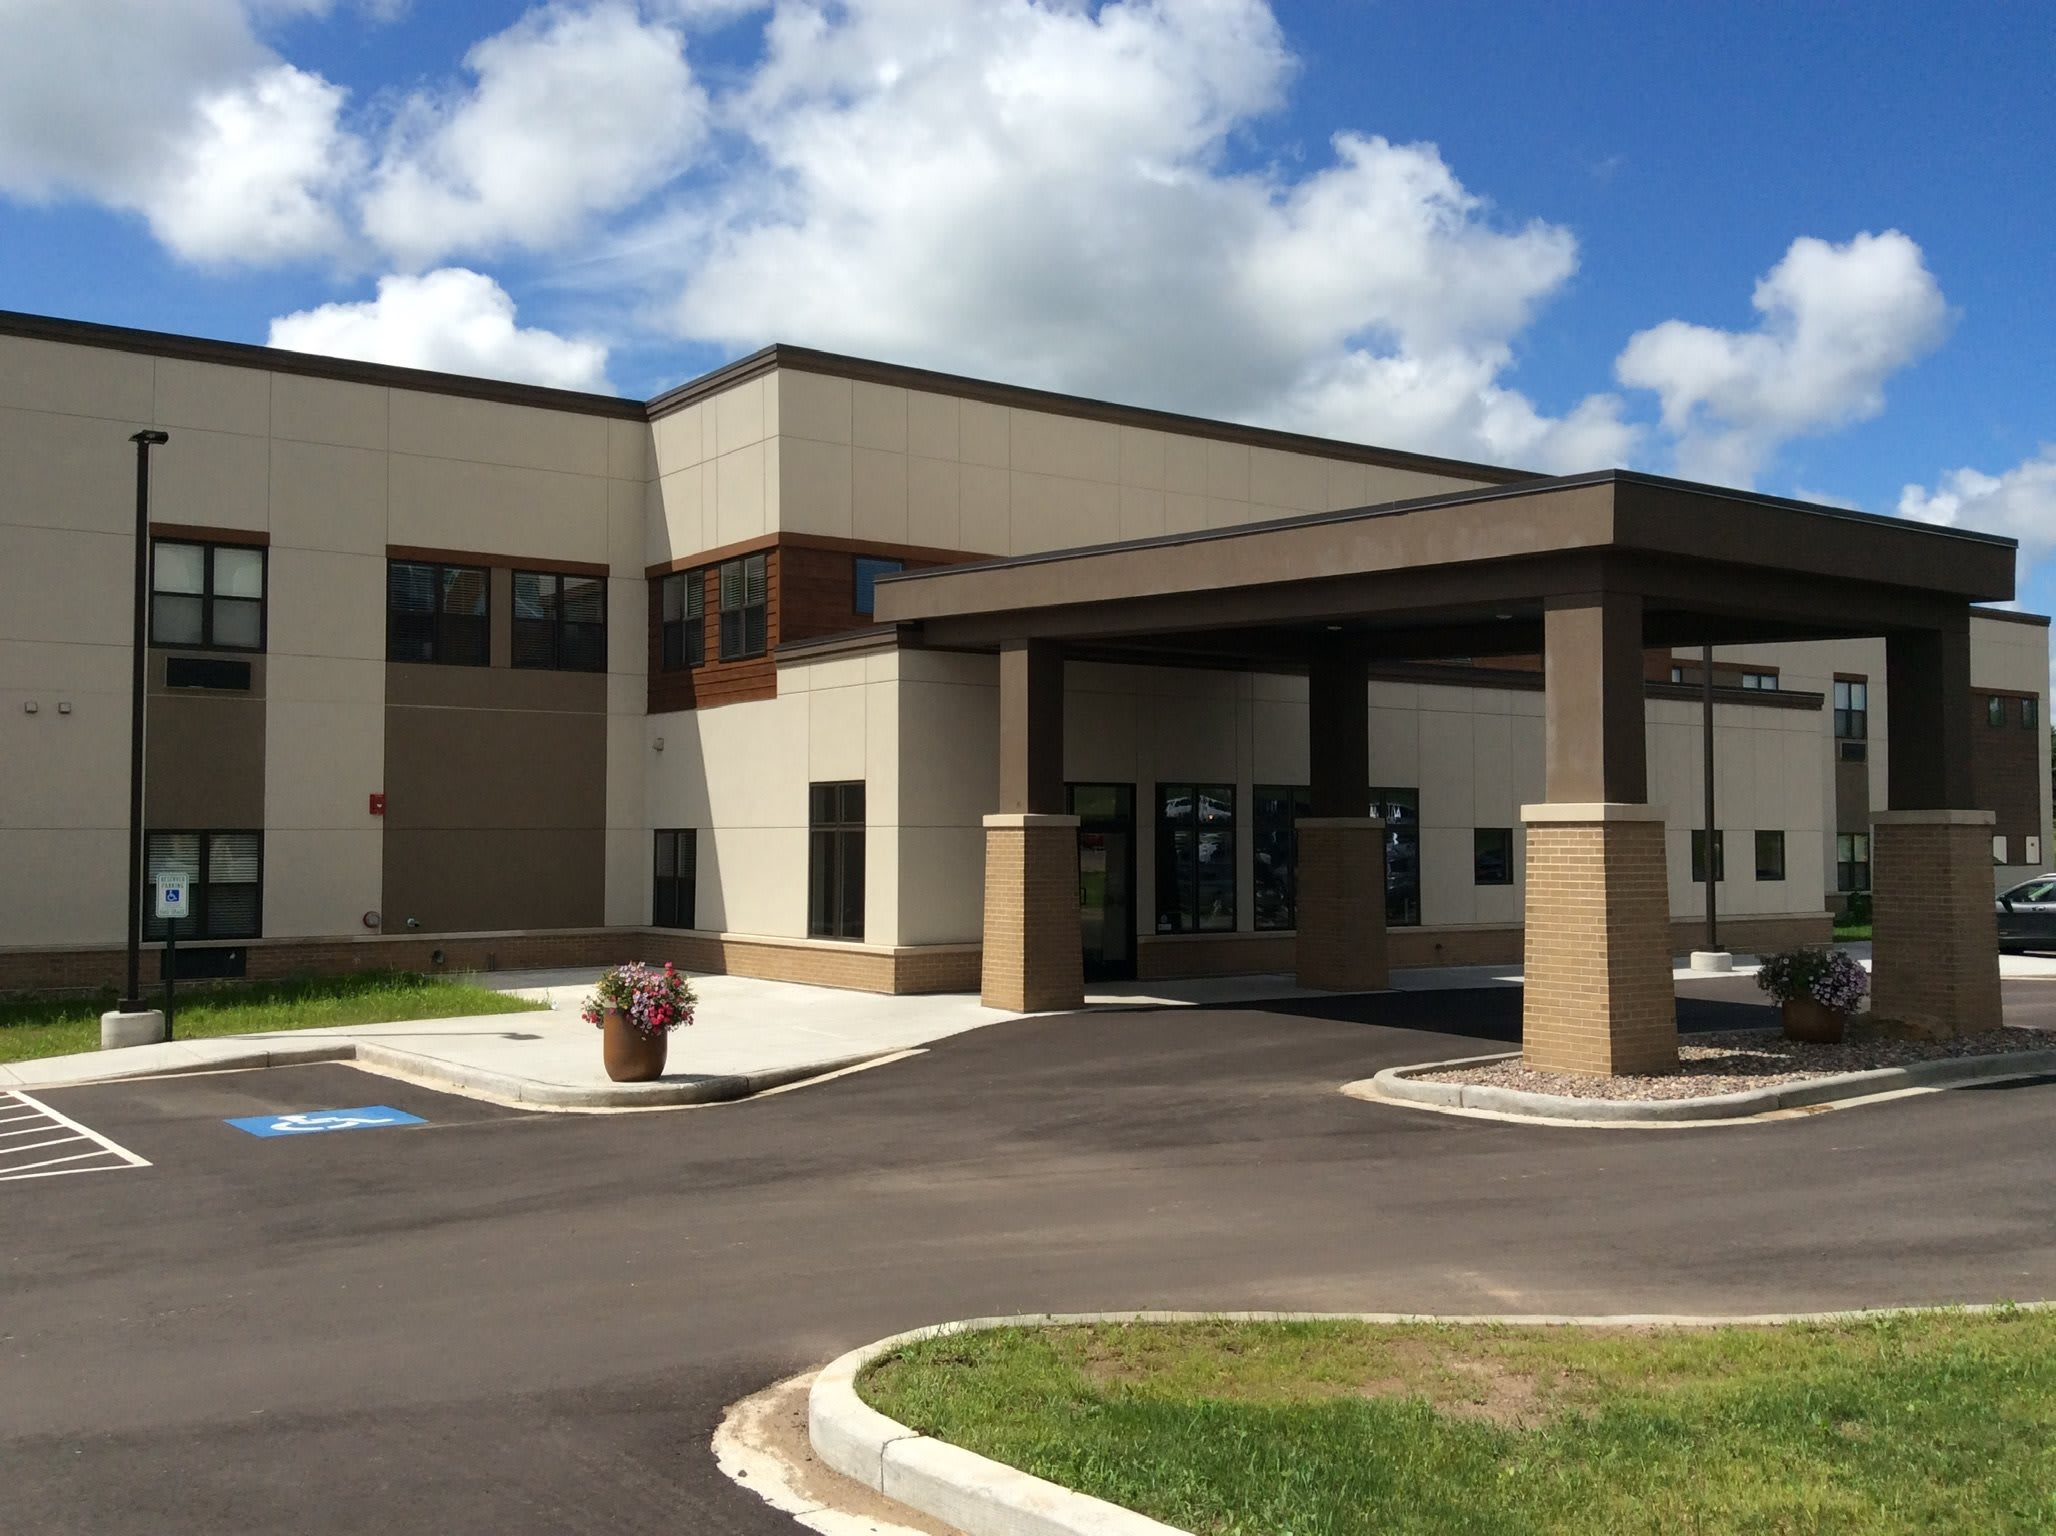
column 1471, row 574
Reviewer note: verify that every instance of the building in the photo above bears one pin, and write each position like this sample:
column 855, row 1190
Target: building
column 449, row 672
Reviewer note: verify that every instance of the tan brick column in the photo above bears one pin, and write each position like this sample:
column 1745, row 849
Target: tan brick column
column 1341, row 903
column 1599, row 997
column 1034, row 956
column 1935, row 934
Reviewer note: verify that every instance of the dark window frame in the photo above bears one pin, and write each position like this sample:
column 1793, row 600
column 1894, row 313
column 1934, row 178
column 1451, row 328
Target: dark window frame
column 836, row 870
column 1399, row 807
column 1720, row 855
column 1188, row 916
column 689, row 628
column 555, row 625
column 1995, row 711
column 864, row 573
column 1768, row 839
column 199, row 926
column 442, row 630
column 1851, row 698
column 676, row 895
column 1479, row 853
column 1852, row 874
column 1266, row 824
column 2030, row 713
column 745, row 645
column 208, row 597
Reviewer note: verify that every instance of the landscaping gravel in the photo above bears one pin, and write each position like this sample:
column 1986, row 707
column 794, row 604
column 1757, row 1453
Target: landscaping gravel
column 1733, row 1061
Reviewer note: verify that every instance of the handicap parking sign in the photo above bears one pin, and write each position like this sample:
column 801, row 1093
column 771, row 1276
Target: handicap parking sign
column 313, row 1121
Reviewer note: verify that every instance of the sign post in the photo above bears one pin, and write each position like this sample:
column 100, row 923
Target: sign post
column 173, row 902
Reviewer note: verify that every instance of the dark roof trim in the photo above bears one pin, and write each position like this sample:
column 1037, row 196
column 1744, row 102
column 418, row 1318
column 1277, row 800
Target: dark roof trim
column 899, row 375
column 1462, row 498
column 2010, row 616
column 236, row 354
column 878, row 637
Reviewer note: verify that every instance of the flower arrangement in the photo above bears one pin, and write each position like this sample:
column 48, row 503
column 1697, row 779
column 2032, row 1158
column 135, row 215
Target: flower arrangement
column 1830, row 977
column 653, row 1002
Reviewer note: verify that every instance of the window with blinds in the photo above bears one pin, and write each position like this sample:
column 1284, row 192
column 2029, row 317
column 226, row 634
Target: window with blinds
column 225, row 872
column 560, row 621
column 682, row 613
column 745, row 608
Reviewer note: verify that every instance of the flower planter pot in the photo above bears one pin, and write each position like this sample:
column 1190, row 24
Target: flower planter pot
column 1815, row 1023
column 631, row 1056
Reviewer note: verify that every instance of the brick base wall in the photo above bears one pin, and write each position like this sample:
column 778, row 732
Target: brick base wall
column 1341, row 905
column 1599, row 996
column 1934, row 933
column 1211, row 954
column 1033, row 960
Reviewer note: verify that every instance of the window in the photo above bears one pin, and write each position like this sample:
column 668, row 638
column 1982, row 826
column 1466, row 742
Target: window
column 437, row 613
column 208, row 595
column 1492, row 856
column 835, row 861
column 1195, row 863
column 1852, row 862
column 1995, row 710
column 869, row 569
column 1766, row 682
column 1677, row 674
column 743, row 608
column 1401, row 810
column 674, row 899
column 1852, row 709
column 560, row 621
column 1277, row 809
column 2030, row 713
column 682, row 613
column 1720, row 858
column 225, row 871
column 1999, row 849
column 1770, row 855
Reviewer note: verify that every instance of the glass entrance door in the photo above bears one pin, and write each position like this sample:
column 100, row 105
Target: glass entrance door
column 1106, row 878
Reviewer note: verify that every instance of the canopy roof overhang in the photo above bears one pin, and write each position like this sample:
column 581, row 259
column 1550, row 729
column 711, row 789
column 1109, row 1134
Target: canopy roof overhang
column 1470, row 574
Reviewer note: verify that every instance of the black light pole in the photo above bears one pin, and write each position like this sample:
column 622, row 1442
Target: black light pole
column 1706, row 731
column 132, row 998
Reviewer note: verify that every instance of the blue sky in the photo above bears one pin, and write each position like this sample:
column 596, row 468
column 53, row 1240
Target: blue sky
column 1805, row 248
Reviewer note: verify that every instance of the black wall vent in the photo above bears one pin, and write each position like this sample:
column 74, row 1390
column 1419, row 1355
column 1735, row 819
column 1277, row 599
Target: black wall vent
column 206, row 672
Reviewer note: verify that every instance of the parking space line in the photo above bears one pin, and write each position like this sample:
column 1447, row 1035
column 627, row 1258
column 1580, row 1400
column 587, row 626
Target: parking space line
column 40, row 1117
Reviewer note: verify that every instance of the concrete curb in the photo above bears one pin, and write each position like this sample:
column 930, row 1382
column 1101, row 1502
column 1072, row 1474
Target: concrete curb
column 1401, row 1085
column 982, row 1497
column 476, row 1082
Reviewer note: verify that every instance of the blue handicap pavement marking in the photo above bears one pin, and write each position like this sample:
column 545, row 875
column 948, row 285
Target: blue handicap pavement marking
column 313, row 1121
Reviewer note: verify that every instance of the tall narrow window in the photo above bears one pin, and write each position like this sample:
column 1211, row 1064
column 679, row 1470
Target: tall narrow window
column 1720, row 860
column 1401, row 810
column 682, row 600
column 744, row 608
column 835, row 860
column 206, row 595
column 1275, row 813
column 1852, row 862
column 1852, row 709
column 674, row 899
column 2030, row 713
column 868, row 570
column 438, row 613
column 1995, row 711
column 224, row 871
column 1195, row 863
column 1770, row 855
column 560, row 621
column 1492, row 856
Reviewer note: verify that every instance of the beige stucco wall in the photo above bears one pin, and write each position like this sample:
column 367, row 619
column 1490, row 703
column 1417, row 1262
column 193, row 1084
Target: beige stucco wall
column 906, row 466
column 332, row 472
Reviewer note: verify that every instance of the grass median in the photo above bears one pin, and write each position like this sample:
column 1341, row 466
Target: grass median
column 34, row 1027
column 1934, row 1422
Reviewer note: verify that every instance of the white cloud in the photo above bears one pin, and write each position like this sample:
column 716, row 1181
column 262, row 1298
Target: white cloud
column 1837, row 321
column 577, row 111
column 451, row 319
column 2020, row 503
column 1046, row 193
column 254, row 182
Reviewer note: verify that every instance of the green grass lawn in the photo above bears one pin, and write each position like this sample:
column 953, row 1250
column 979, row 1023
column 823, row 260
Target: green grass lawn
column 1849, row 933
column 43, row 1027
column 1940, row 1422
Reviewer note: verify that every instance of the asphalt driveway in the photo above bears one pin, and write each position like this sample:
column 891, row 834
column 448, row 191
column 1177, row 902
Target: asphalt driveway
column 501, row 1322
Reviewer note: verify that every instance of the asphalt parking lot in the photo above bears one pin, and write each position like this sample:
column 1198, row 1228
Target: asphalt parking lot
column 485, row 1320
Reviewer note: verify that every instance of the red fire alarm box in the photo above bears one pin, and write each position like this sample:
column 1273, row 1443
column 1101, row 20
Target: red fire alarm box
column 378, row 805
